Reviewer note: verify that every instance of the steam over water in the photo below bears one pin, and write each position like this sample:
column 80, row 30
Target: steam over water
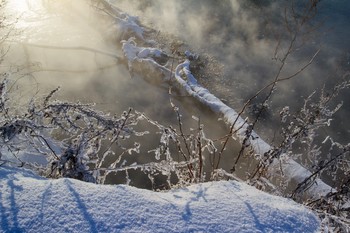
column 237, row 38
column 83, row 75
column 243, row 35
column 40, row 60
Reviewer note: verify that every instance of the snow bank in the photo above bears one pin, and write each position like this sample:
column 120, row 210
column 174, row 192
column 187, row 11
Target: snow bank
column 33, row 204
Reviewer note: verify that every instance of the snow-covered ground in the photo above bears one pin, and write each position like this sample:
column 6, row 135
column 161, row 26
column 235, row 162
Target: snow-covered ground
column 29, row 203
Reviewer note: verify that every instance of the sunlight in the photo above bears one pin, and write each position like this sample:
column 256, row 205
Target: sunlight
column 20, row 5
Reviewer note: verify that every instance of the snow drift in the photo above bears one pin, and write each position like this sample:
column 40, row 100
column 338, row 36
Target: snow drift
column 33, row 204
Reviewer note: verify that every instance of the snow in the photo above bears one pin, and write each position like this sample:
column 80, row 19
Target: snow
column 33, row 204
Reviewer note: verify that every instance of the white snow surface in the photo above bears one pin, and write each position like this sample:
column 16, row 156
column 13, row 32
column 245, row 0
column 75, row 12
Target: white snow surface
column 29, row 203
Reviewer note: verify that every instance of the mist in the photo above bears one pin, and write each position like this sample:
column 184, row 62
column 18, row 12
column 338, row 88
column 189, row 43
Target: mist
column 39, row 50
column 235, row 39
column 239, row 40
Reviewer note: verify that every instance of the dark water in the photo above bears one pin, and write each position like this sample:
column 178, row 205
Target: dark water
column 238, row 37
column 243, row 35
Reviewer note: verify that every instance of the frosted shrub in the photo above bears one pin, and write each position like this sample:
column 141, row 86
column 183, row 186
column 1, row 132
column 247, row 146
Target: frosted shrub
column 80, row 142
column 324, row 158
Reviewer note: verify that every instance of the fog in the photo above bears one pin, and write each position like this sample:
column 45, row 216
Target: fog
column 242, row 37
column 235, row 39
column 43, row 55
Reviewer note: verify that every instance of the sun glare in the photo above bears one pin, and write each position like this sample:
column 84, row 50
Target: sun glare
column 19, row 5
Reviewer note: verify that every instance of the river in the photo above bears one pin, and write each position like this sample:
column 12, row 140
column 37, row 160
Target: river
column 236, row 39
column 242, row 36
